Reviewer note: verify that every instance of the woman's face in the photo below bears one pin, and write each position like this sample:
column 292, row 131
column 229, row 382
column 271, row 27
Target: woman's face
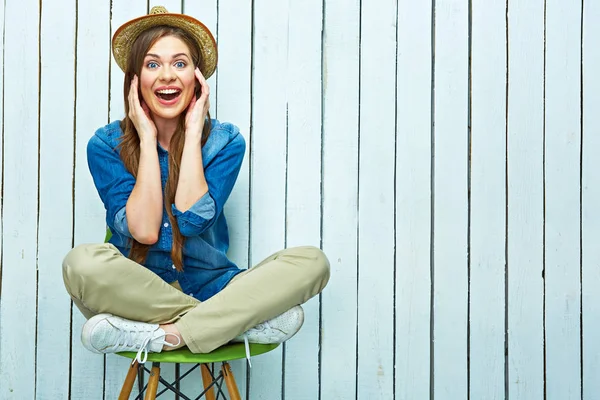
column 167, row 80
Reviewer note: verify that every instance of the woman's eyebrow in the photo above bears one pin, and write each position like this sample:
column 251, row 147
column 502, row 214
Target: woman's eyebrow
column 174, row 55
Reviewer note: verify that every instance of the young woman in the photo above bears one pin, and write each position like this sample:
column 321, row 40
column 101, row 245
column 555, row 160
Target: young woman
column 164, row 174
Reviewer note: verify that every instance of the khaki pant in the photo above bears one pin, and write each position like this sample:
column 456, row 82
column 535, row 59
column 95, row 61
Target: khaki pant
column 101, row 280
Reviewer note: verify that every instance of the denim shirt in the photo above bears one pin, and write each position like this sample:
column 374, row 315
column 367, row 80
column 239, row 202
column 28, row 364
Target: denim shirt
column 207, row 269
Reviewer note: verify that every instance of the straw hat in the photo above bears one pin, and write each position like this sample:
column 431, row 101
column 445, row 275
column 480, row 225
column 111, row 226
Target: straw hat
column 129, row 31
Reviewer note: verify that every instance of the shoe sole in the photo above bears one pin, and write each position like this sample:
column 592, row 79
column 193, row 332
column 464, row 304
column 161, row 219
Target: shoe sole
column 88, row 327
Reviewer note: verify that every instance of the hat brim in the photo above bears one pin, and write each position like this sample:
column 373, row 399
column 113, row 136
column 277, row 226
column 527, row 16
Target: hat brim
column 128, row 32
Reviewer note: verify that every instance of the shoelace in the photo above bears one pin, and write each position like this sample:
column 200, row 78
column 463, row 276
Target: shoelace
column 260, row 327
column 128, row 339
column 146, row 342
column 247, row 346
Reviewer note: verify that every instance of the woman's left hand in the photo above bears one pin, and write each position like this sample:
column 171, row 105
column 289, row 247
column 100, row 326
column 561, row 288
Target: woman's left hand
column 198, row 108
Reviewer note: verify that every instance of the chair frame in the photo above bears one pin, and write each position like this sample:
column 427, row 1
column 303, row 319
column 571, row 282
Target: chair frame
column 210, row 382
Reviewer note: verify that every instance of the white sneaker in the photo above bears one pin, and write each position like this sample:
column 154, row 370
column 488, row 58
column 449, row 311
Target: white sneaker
column 276, row 330
column 106, row 333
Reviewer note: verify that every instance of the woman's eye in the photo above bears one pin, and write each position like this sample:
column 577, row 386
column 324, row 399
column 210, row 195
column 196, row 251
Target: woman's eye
column 152, row 64
column 180, row 64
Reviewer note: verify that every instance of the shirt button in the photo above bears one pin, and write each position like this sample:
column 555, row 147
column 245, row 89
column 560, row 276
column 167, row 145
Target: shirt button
column 166, row 225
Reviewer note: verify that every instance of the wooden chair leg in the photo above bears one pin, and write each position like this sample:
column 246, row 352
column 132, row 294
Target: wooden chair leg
column 232, row 388
column 207, row 380
column 153, row 382
column 129, row 379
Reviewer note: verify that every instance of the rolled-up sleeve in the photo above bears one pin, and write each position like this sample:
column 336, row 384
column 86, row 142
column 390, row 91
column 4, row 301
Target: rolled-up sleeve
column 220, row 172
column 113, row 182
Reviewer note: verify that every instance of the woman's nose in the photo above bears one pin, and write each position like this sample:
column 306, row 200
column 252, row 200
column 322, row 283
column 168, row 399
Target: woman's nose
column 167, row 74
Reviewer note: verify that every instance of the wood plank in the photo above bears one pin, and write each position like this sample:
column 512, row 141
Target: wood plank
column 488, row 200
column 1, row 139
column 19, row 222
column 525, row 200
column 562, row 199
column 340, row 197
column 207, row 13
column 267, row 220
column 376, row 201
column 56, row 196
column 233, row 102
column 116, row 367
column 303, row 210
column 93, row 52
column 590, row 279
column 450, row 199
column 413, row 200
column 20, row 200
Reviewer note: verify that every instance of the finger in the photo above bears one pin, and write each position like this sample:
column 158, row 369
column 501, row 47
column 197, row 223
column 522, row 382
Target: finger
column 135, row 91
column 192, row 104
column 146, row 109
column 203, row 84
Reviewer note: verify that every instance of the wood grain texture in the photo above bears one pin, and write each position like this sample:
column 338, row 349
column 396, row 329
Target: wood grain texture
column 55, row 197
column 18, row 305
column 340, row 197
column 377, row 149
column 562, row 200
column 268, row 196
column 525, row 200
column 450, row 199
column 488, row 200
column 590, row 279
column 233, row 105
column 93, row 58
column 303, row 205
column 413, row 199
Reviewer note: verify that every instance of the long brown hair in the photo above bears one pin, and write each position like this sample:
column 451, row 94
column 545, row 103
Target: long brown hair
column 130, row 143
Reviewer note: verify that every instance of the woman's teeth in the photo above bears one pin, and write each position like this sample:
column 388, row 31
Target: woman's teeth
column 167, row 94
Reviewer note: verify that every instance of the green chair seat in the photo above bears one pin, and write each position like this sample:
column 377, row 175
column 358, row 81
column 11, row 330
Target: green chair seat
column 228, row 352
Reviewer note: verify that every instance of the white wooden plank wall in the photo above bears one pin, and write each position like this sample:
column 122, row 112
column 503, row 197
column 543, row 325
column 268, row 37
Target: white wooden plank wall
column 562, row 170
column 525, row 251
column 442, row 153
column 590, row 188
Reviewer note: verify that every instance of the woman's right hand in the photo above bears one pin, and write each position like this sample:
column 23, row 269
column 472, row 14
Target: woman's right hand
column 139, row 113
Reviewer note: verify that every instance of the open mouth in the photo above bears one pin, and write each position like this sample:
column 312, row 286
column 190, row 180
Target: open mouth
column 168, row 94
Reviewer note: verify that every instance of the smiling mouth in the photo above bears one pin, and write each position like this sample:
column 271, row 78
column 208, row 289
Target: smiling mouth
column 167, row 94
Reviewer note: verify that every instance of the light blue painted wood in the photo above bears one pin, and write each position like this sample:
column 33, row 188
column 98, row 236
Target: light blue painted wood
column 303, row 209
column 562, row 174
column 450, row 201
column 590, row 199
column 233, row 105
column 413, row 201
column 488, row 199
column 340, row 195
column 376, row 201
column 268, row 173
column 19, row 212
column 87, row 377
column 525, row 201
column 55, row 188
